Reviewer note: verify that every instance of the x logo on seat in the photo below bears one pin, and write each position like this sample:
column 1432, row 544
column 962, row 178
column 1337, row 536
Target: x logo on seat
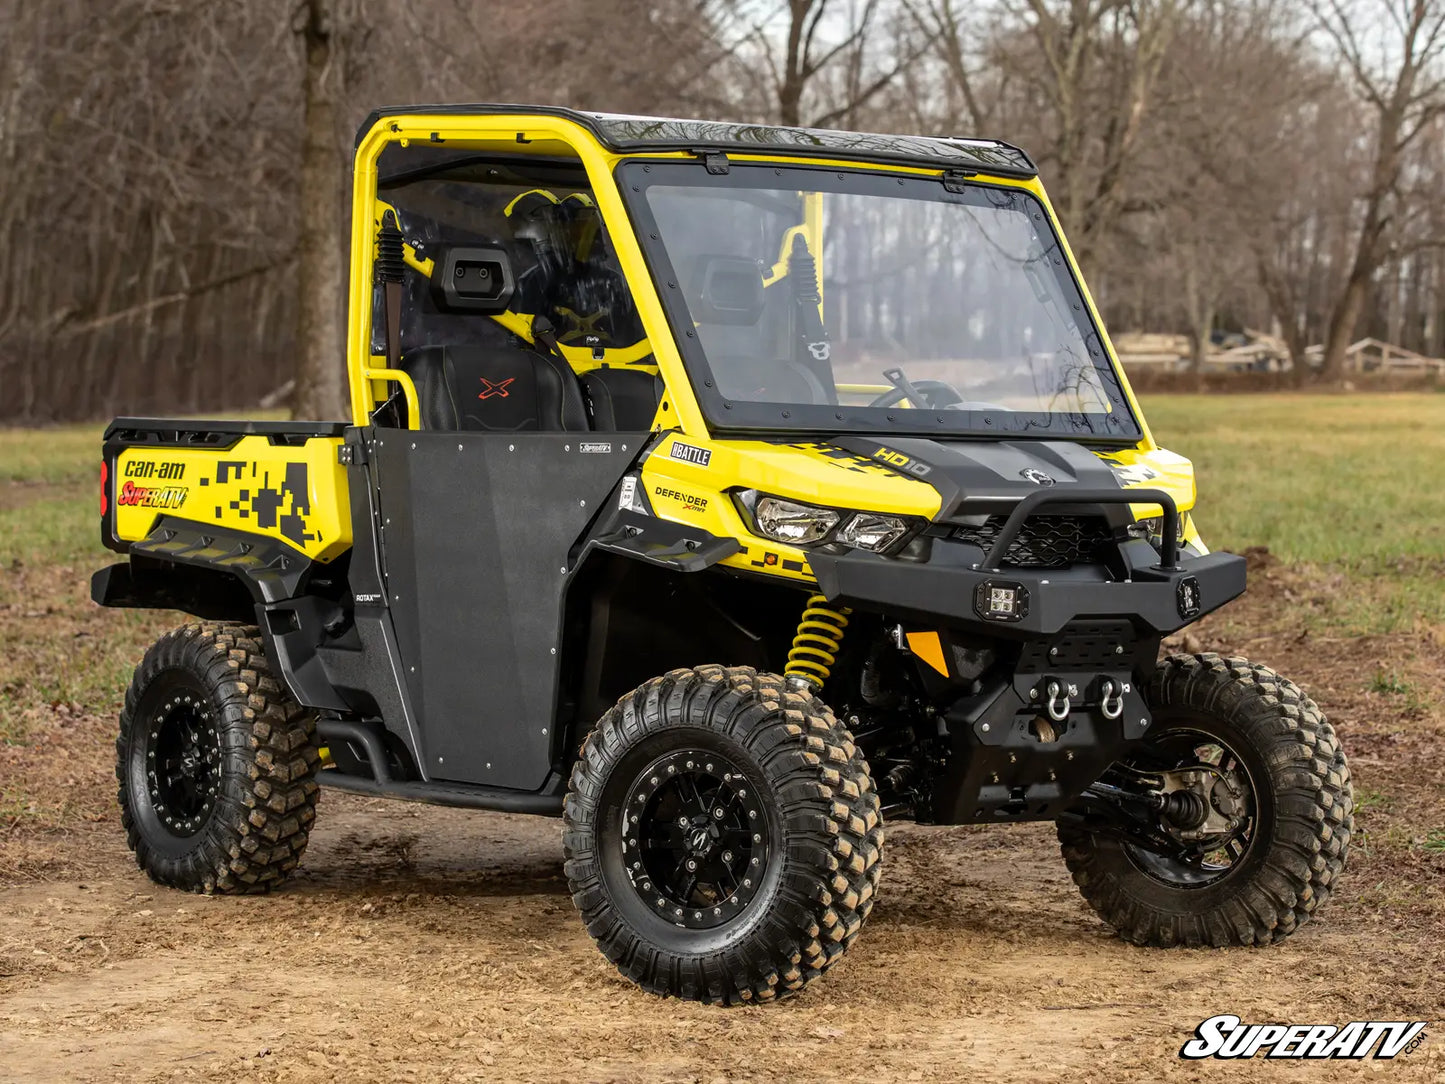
column 489, row 389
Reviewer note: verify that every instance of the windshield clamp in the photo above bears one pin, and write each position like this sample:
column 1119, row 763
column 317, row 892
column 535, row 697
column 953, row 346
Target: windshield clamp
column 954, row 179
column 715, row 162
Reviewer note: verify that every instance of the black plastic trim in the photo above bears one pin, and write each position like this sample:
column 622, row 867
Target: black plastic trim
column 174, row 433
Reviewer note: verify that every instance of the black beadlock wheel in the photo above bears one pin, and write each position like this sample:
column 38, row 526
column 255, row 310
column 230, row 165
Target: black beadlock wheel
column 722, row 836
column 216, row 764
column 1275, row 766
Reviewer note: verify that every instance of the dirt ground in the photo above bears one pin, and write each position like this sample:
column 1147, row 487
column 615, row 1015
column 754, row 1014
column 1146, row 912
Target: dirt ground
column 429, row 944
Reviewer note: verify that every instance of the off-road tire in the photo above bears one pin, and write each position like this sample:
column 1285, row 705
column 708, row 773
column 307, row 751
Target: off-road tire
column 809, row 777
column 1305, row 806
column 263, row 764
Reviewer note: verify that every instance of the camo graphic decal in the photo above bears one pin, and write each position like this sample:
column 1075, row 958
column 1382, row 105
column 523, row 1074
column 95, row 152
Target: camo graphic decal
column 284, row 508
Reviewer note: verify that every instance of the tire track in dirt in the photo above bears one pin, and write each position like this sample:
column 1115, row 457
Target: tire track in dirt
column 430, row 944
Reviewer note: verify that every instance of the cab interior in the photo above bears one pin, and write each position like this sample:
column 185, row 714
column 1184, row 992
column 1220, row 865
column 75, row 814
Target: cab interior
column 512, row 312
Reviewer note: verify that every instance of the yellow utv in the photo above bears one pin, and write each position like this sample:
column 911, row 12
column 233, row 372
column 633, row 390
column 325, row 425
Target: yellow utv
column 724, row 490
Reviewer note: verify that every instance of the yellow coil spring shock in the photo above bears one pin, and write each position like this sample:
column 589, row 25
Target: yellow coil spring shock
column 816, row 644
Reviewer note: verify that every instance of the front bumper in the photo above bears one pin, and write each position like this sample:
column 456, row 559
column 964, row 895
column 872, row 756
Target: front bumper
column 1163, row 600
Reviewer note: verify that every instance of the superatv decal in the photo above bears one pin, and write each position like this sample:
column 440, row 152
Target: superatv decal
column 686, row 453
column 132, row 495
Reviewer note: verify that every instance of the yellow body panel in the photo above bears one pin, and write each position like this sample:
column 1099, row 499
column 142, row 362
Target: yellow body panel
column 295, row 494
column 685, row 491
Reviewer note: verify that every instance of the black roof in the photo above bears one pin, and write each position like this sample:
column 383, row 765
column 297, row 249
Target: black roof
column 630, row 134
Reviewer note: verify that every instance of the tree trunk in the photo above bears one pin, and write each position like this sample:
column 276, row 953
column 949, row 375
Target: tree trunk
column 320, row 341
column 1343, row 319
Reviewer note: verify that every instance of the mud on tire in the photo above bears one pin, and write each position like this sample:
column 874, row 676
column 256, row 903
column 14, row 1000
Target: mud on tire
column 1304, row 815
column 216, row 764
column 819, row 837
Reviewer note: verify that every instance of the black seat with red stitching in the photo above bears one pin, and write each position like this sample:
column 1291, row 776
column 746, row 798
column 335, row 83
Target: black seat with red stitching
column 471, row 387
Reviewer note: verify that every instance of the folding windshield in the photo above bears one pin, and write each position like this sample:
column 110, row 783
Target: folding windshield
column 817, row 300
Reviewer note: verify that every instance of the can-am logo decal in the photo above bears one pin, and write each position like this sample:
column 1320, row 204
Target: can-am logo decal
column 698, row 457
column 151, row 468
column 1036, row 476
column 1226, row 1036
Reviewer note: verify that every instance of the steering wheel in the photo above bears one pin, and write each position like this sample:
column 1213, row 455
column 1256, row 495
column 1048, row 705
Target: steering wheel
column 937, row 395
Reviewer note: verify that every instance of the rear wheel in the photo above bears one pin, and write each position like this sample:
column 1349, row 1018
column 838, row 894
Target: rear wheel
column 722, row 836
column 1259, row 813
column 216, row 764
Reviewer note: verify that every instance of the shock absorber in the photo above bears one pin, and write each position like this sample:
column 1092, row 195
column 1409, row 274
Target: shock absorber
column 816, row 645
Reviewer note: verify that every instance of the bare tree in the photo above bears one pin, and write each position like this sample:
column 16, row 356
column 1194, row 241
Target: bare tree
column 1395, row 53
column 320, row 340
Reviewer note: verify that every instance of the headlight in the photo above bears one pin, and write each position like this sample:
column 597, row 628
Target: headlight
column 872, row 531
column 801, row 524
column 788, row 521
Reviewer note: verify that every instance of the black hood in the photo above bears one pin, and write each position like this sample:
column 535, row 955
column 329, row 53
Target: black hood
column 988, row 477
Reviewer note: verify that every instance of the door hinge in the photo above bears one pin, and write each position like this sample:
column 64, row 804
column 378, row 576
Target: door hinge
column 715, row 162
column 954, row 179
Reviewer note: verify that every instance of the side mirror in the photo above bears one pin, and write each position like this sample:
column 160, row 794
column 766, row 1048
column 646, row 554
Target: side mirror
column 472, row 279
column 729, row 290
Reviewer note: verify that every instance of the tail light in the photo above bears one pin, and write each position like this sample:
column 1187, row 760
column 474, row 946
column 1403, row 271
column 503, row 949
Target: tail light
column 104, row 487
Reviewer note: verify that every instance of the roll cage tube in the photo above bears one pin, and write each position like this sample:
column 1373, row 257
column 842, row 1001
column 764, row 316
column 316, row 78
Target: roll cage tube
column 555, row 136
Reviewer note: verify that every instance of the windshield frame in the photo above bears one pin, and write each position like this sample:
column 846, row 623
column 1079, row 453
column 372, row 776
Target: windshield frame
column 635, row 176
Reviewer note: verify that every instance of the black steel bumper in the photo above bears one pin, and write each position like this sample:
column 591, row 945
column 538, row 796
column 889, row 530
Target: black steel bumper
column 1164, row 593
column 1153, row 597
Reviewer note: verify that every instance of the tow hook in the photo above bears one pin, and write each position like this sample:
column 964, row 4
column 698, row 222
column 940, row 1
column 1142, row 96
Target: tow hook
column 1058, row 706
column 1111, row 699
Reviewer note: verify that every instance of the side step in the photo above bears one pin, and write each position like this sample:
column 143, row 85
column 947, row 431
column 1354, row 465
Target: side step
column 547, row 801
column 460, row 795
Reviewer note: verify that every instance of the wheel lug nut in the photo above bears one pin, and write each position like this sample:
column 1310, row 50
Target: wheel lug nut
column 691, row 864
column 727, row 856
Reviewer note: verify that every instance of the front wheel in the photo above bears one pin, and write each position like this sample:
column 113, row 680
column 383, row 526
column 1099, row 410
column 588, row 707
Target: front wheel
column 722, row 836
column 1260, row 812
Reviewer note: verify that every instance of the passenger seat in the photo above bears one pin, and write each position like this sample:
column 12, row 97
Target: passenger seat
column 622, row 400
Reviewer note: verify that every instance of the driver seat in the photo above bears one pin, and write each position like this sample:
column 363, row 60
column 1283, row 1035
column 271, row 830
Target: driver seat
column 479, row 388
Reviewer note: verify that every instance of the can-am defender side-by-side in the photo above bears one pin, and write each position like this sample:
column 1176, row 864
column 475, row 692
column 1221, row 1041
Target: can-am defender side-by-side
column 723, row 490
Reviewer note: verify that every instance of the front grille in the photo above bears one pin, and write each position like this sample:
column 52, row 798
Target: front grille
column 1044, row 541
